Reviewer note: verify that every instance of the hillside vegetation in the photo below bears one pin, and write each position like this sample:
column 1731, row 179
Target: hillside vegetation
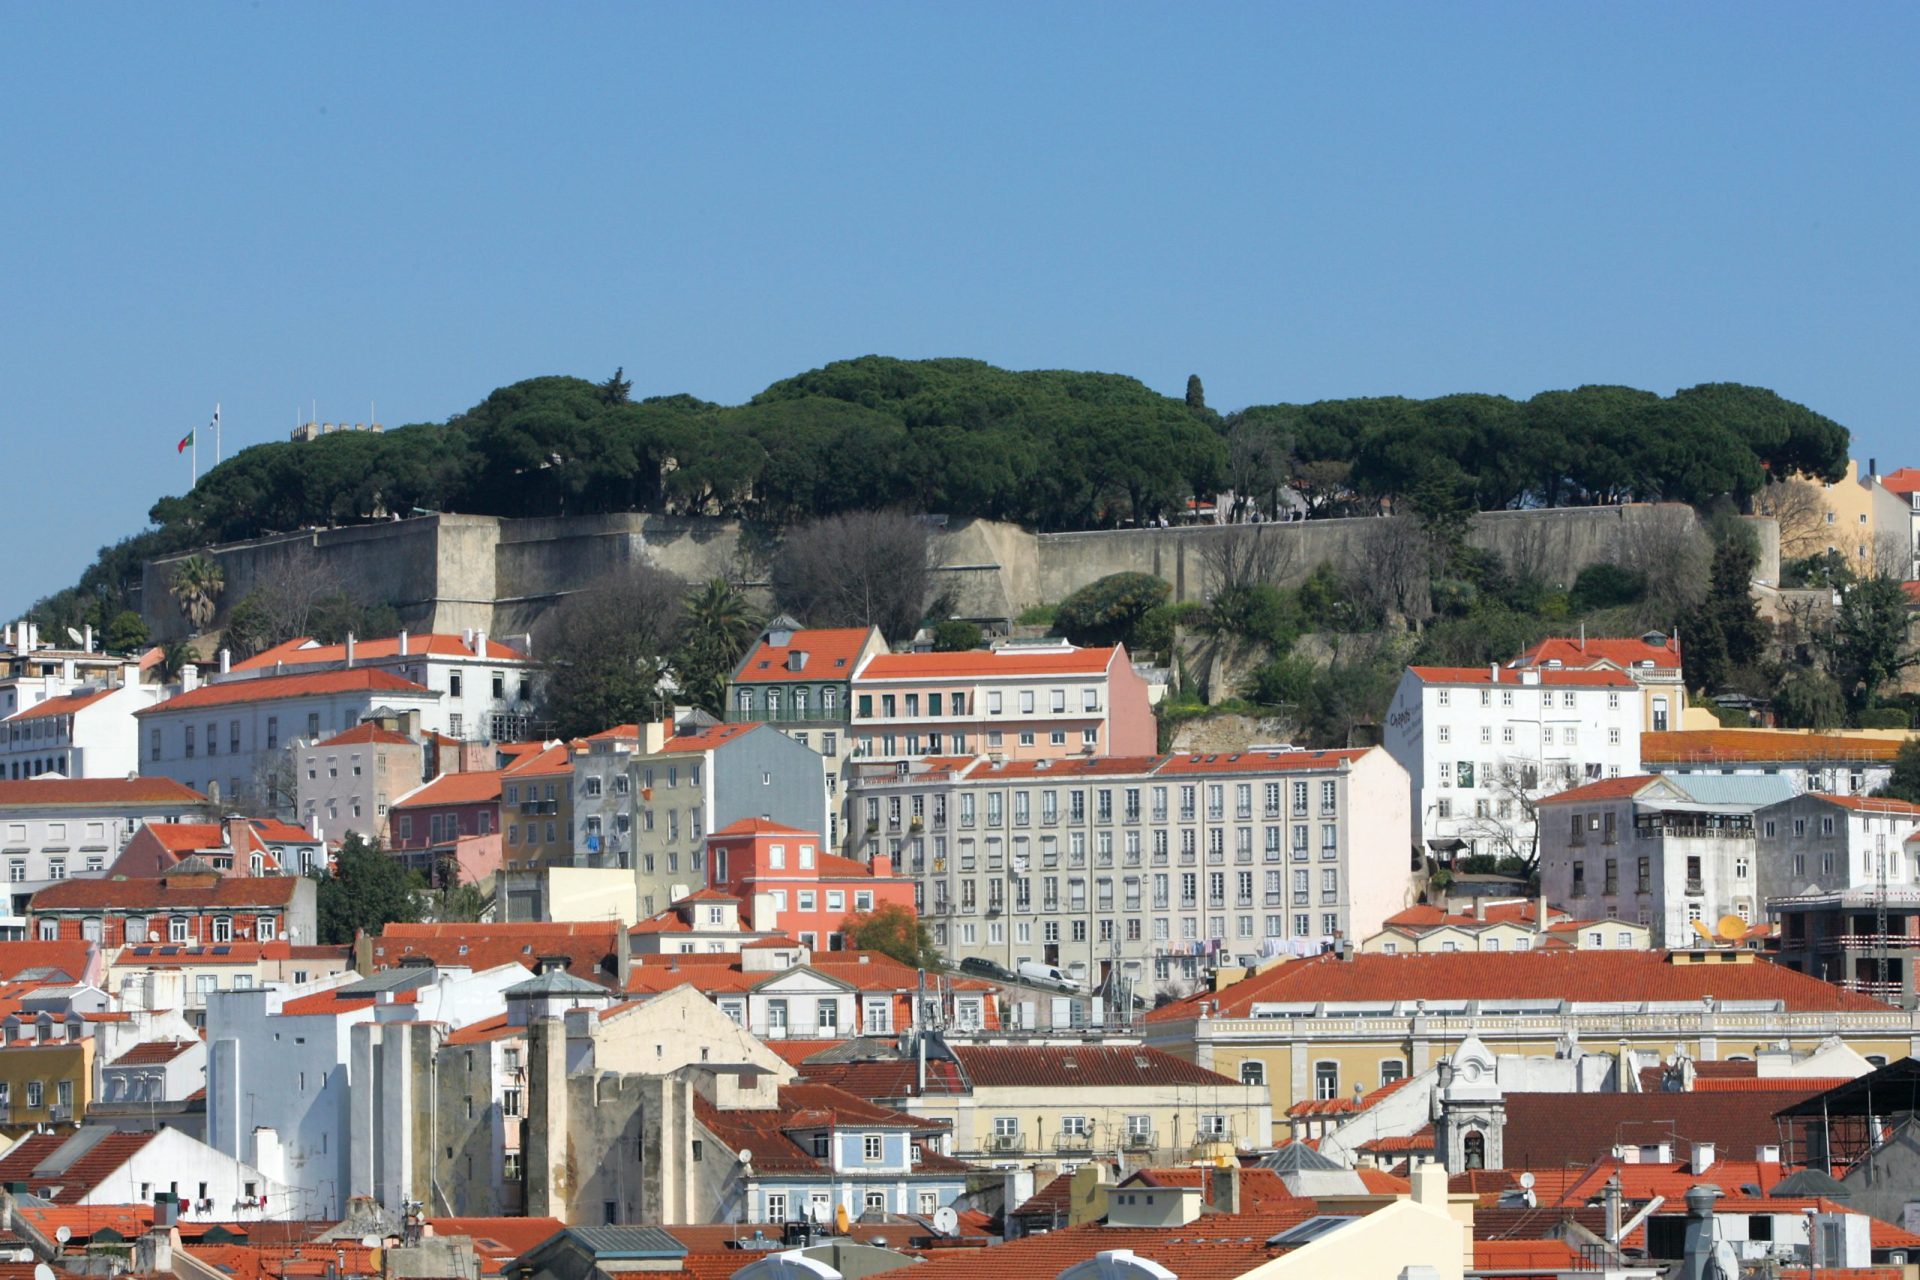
column 1050, row 449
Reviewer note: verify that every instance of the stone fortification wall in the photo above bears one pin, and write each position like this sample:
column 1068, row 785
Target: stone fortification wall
column 451, row 572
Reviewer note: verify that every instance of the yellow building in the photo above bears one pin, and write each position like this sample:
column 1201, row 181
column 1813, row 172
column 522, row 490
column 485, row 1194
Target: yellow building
column 47, row 1081
column 1319, row 1028
column 1509, row 925
column 1860, row 511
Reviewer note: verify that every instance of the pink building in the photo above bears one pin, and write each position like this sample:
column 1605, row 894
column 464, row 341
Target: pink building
column 1017, row 702
column 787, row 883
column 450, row 828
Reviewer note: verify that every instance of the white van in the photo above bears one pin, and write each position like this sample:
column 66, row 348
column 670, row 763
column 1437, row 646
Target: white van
column 1050, row 973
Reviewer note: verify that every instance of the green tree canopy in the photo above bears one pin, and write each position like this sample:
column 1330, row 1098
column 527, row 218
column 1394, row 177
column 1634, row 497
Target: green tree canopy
column 1107, row 611
column 894, row 931
column 368, row 890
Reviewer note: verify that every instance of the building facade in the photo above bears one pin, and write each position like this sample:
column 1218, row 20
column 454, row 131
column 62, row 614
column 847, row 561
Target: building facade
column 55, row 828
column 789, row 883
column 1043, row 701
column 346, row 783
column 1158, row 867
column 195, row 904
column 88, row 733
column 1856, row 763
column 1482, row 745
column 1651, row 661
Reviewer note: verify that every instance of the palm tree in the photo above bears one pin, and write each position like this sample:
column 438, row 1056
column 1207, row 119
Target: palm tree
column 721, row 613
column 196, row 584
column 178, row 655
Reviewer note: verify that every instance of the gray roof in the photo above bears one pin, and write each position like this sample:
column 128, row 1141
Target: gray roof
column 627, row 1242
column 556, row 982
column 403, row 978
column 1744, row 790
column 1298, row 1157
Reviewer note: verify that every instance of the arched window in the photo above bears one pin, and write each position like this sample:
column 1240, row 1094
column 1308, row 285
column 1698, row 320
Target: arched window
column 1473, row 1150
column 1253, row 1071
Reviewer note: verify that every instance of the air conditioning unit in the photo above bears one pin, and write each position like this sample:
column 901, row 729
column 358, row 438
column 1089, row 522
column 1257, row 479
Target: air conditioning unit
column 1139, row 1142
column 1004, row 1142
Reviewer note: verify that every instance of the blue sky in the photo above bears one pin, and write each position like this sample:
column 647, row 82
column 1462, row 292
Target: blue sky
column 409, row 205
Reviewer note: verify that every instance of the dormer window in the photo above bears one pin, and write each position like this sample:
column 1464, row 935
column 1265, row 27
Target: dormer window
column 797, row 660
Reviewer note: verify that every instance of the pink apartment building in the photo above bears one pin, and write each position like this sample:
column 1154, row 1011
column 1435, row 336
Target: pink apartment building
column 1017, row 702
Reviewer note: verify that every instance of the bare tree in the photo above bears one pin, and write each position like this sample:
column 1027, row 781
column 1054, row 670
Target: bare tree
column 863, row 568
column 1391, row 570
column 1890, row 557
column 1800, row 511
column 1247, row 555
column 1258, row 456
column 1672, row 553
column 1506, row 823
column 286, row 593
column 606, row 651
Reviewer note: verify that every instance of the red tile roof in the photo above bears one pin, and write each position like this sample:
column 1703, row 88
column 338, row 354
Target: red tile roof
column 588, row 946
column 760, row 827
column 1258, row 761
column 1706, row 746
column 1628, row 651
column 1625, row 976
column 1871, row 804
column 1605, row 789
column 69, row 958
column 1604, row 679
column 150, row 1053
column 368, row 732
column 1259, row 1188
column 275, row 688
column 1545, row 1131
column 499, row 1241
column 101, row 791
column 978, row 664
column 77, row 1180
column 1905, row 481
column 705, row 738
column 1083, row 1066
column 831, row 653
column 1344, row 1104
column 482, row 786
column 805, row 1105
column 147, row 894
column 1210, row 1248
column 272, row 829
column 65, row 705
column 553, row 759
column 304, row 651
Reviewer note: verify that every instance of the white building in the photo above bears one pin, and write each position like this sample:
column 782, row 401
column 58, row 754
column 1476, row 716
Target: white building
column 1482, row 745
column 123, row 1166
column 88, row 733
column 278, row 1067
column 55, row 828
column 31, row 673
column 485, row 688
column 1161, row 865
column 232, row 739
column 1668, row 853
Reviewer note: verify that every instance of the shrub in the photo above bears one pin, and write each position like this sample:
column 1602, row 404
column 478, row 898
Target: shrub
column 955, row 635
column 1606, row 586
column 1106, row 611
column 1885, row 718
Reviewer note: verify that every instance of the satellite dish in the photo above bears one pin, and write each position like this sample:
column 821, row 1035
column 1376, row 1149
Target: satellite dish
column 945, row 1220
column 369, row 1242
column 75, row 636
column 63, row 1235
column 1526, row 1181
column 43, row 1272
column 24, row 1255
column 745, row 1156
column 1731, row 928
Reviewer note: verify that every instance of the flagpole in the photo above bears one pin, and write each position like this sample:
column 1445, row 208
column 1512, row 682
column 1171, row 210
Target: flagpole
column 196, row 462
column 216, row 433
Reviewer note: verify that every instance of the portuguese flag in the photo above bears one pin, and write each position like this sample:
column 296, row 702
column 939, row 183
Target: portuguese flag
column 186, row 442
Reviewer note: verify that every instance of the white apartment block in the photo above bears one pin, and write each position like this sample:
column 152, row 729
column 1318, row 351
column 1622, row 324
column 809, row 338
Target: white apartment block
column 1481, row 746
column 87, row 733
column 486, row 688
column 1161, row 866
column 56, row 828
column 32, row 672
column 232, row 740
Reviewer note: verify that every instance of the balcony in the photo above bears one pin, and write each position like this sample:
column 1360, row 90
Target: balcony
column 1695, row 886
column 1068, row 1142
column 1139, row 1142
column 1006, row 1142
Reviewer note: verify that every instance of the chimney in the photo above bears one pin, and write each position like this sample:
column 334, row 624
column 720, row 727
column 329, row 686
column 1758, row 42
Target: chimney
column 403, row 644
column 1701, row 1158
column 349, row 648
column 189, row 678
column 1223, row 1189
column 479, row 643
column 166, row 1210
column 226, row 661
column 87, row 640
column 1493, row 672
column 1698, row 1256
column 1612, row 1202
column 1430, row 1185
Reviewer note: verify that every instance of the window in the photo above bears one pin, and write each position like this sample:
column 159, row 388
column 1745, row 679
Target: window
column 1253, row 1071
column 1073, row 1126
column 872, row 1148
column 1326, row 1080
column 177, row 929
column 1392, row 1069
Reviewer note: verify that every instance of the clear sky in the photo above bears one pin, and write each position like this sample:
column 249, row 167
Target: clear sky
column 408, row 205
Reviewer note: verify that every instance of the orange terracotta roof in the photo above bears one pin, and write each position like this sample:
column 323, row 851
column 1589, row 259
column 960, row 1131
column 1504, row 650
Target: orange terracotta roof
column 1913, row 591
column 1605, row 789
column 1210, row 1248
column 588, row 945
column 369, row 732
column 305, row 651
column 152, row 1053
column 1604, row 679
column 275, row 688
column 488, row 1029
column 619, row 733
column 1905, row 481
column 978, row 664
column 482, row 786
column 1625, row 976
column 831, row 653
column 706, row 737
column 282, row 832
column 146, row 894
column 761, row 827
column 499, row 1241
column 1706, row 746
column 551, row 760
column 101, row 791
column 1623, row 651
column 65, row 705
column 1258, row 761
column 1871, row 804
